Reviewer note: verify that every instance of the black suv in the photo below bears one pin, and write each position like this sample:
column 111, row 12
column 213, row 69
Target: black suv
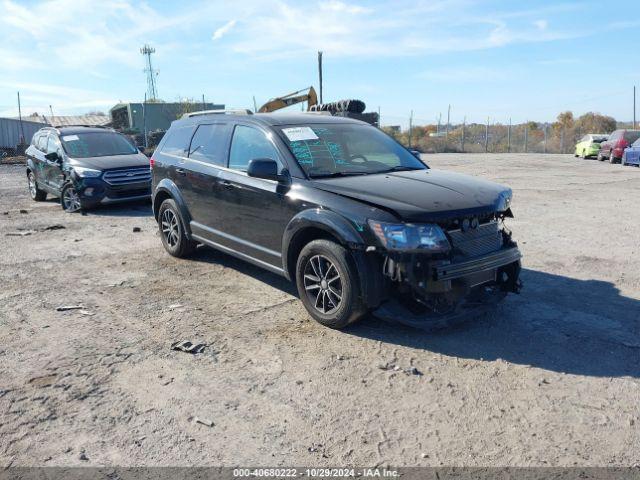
column 356, row 220
column 85, row 167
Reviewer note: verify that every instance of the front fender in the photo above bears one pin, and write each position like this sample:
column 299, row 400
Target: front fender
column 167, row 189
column 318, row 218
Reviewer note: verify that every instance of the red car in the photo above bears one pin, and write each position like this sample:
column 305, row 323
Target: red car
column 613, row 148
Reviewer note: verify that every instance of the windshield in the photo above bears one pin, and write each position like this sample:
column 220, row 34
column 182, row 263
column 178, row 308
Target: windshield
column 326, row 150
column 599, row 139
column 96, row 144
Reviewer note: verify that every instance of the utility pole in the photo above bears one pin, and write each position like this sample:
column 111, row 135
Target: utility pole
column 446, row 139
column 562, row 140
column 486, row 137
column 545, row 138
column 509, row 137
column 255, row 106
column 203, row 104
column 144, row 119
column 526, row 135
column 20, row 118
column 51, row 110
column 410, row 127
column 379, row 118
column 152, row 92
column 634, row 107
column 320, row 73
column 464, row 123
column 439, row 121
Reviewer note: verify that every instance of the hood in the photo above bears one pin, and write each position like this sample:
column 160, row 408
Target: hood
column 113, row 161
column 422, row 195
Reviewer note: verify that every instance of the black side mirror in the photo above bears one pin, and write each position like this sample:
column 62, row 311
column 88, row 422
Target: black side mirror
column 141, row 149
column 53, row 157
column 263, row 168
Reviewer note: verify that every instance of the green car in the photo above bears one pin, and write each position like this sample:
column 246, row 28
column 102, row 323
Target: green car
column 589, row 145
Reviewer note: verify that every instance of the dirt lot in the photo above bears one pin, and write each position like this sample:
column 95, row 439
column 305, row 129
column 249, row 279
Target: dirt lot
column 553, row 378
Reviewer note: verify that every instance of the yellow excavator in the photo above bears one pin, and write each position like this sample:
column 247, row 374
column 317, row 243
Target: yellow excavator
column 291, row 99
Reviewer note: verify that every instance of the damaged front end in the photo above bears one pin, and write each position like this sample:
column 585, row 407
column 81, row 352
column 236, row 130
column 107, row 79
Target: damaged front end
column 436, row 273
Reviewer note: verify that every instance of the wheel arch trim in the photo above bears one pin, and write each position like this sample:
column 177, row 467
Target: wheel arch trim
column 167, row 189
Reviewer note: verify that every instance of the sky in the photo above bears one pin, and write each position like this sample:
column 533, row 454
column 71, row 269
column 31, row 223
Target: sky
column 496, row 59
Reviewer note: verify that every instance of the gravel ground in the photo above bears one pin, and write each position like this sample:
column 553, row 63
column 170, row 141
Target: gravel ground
column 552, row 378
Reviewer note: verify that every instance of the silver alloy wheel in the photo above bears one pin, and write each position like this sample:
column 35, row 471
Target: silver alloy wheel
column 32, row 185
column 71, row 200
column 323, row 284
column 169, row 226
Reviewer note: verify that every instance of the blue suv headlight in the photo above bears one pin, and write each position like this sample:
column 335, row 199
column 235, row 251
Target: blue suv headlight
column 86, row 172
column 408, row 236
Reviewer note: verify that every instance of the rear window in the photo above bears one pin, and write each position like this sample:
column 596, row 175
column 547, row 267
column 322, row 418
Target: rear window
column 177, row 141
column 631, row 135
column 97, row 144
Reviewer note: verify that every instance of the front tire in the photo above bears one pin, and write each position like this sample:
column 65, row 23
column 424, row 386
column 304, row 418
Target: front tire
column 600, row 158
column 328, row 284
column 612, row 159
column 172, row 230
column 37, row 195
column 70, row 199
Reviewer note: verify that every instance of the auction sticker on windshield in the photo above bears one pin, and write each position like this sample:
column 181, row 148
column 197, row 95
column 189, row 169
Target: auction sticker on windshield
column 296, row 134
column 70, row 138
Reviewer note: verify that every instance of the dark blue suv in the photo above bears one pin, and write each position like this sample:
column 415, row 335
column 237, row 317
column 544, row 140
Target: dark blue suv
column 86, row 167
column 354, row 218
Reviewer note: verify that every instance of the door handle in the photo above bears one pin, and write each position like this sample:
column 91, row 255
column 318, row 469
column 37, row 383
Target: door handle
column 228, row 184
column 180, row 171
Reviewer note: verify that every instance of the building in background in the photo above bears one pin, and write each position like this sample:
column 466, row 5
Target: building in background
column 135, row 118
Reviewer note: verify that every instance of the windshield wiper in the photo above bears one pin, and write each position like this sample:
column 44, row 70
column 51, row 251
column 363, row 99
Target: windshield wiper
column 400, row 168
column 338, row 174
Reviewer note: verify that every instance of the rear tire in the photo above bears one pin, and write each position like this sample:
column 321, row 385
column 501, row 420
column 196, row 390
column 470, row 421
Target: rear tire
column 584, row 154
column 328, row 284
column 36, row 194
column 172, row 230
column 600, row 158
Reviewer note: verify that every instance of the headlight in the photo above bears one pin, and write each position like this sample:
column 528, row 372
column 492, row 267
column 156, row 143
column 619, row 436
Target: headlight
column 504, row 201
column 86, row 172
column 408, row 236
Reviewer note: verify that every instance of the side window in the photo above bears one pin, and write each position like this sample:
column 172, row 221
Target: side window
column 53, row 145
column 34, row 139
column 209, row 143
column 615, row 135
column 42, row 142
column 177, row 142
column 248, row 144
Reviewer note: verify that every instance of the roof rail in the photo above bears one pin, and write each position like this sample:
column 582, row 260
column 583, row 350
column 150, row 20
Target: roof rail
column 319, row 112
column 87, row 126
column 238, row 111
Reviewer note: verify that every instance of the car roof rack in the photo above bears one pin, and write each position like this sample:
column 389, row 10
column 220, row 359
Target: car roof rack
column 237, row 111
column 86, row 126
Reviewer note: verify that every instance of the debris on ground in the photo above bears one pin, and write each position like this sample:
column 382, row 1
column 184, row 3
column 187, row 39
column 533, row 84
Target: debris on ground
column 87, row 313
column 188, row 347
column 136, row 229
column 396, row 368
column 117, row 284
column 64, row 308
column 23, row 233
column 53, row 227
column 22, row 210
column 83, row 456
column 174, row 306
column 203, row 421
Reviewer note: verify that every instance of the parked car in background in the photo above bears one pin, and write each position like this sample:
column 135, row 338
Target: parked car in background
column 612, row 148
column 85, row 167
column 589, row 145
column 344, row 211
column 631, row 154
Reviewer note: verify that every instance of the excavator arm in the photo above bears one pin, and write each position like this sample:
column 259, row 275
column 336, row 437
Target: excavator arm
column 291, row 99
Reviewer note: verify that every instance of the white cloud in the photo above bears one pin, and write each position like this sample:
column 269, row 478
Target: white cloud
column 223, row 30
column 541, row 24
column 337, row 6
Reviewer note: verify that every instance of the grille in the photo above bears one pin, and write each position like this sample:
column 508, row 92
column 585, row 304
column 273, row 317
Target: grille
column 477, row 241
column 125, row 176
